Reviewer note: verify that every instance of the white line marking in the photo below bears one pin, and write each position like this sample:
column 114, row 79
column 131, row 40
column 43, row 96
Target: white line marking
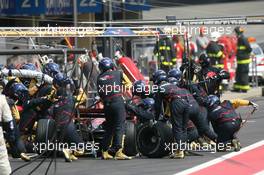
column 220, row 159
column 249, row 121
column 260, row 173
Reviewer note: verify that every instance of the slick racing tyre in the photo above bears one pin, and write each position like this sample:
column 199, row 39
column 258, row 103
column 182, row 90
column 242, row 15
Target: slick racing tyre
column 152, row 139
column 130, row 146
column 45, row 131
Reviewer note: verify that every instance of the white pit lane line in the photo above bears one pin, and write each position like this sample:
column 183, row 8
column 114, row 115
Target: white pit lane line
column 260, row 173
column 221, row 159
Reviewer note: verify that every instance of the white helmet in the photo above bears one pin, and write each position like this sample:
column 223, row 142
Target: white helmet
column 215, row 35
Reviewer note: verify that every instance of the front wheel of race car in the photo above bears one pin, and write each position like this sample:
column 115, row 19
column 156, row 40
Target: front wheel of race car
column 130, row 146
column 153, row 138
column 45, row 131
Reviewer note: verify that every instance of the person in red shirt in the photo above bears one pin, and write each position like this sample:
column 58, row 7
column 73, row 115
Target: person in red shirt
column 179, row 49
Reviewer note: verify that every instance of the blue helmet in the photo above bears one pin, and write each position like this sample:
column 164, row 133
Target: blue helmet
column 51, row 69
column 106, row 64
column 160, row 79
column 212, row 100
column 157, row 73
column 173, row 80
column 18, row 91
column 139, row 88
column 176, row 73
column 29, row 66
column 148, row 102
column 61, row 80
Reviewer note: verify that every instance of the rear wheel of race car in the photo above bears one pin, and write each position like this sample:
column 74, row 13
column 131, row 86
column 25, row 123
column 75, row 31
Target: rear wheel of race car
column 130, row 146
column 45, row 131
column 152, row 139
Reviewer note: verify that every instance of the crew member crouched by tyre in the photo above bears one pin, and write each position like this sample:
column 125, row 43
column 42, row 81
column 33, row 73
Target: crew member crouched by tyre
column 109, row 86
column 179, row 114
column 63, row 112
column 225, row 120
column 39, row 89
column 17, row 145
column 175, row 77
column 197, row 113
column 29, row 113
column 201, row 96
column 141, row 105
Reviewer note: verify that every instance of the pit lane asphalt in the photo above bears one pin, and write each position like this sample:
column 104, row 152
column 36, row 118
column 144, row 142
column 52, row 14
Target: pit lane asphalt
column 252, row 132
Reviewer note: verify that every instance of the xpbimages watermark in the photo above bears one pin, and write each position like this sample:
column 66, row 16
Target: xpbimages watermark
column 213, row 148
column 195, row 30
column 51, row 146
column 147, row 89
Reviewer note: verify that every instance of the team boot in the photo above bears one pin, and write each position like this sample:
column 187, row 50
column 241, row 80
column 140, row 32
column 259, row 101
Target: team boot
column 203, row 142
column 121, row 156
column 78, row 153
column 236, row 144
column 194, row 145
column 106, row 155
column 67, row 155
column 179, row 154
column 25, row 157
column 73, row 157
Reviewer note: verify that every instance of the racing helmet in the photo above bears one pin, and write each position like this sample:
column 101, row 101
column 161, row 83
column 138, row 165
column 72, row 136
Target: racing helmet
column 176, row 73
column 173, row 80
column 213, row 100
column 148, row 103
column 106, row 64
column 28, row 81
column 29, row 66
column 157, row 73
column 160, row 79
column 18, row 91
column 51, row 69
column 61, row 80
